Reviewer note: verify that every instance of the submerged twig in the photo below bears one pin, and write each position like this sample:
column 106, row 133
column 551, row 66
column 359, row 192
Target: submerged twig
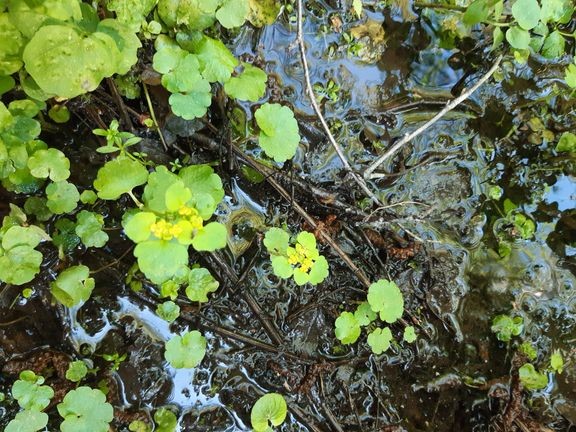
column 449, row 107
column 312, row 96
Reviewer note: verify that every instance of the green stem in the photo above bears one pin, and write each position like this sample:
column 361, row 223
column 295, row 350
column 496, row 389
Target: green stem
column 498, row 24
column 439, row 6
column 153, row 115
column 136, row 201
column 570, row 35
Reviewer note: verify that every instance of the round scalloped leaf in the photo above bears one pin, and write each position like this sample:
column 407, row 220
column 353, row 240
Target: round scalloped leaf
column 76, row 371
column 137, row 226
column 85, row 409
column 30, row 394
column 185, row 351
column 167, row 56
column 279, row 137
column 347, row 328
column 202, row 180
column 23, row 236
column 185, row 77
column 168, row 311
column 319, row 270
column 308, row 241
column 249, row 85
column 127, row 43
column 200, row 283
column 12, row 43
column 276, row 241
column 518, row 38
column 65, row 63
column 526, row 13
column 73, row 286
column 155, row 191
column 281, row 266
column 554, row 45
column 50, row 163
column 193, row 104
column 233, row 13
column 160, row 260
column 386, row 298
column 364, row 314
column 379, row 340
column 119, row 176
column 409, row 334
column 263, row 12
column 210, row 237
column 89, row 228
column 194, row 14
column 270, row 408
column 177, row 195
column 217, row 62
column 27, row 421
column 62, row 197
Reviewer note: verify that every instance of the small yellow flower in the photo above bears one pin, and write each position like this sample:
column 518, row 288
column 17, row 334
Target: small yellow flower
column 301, row 257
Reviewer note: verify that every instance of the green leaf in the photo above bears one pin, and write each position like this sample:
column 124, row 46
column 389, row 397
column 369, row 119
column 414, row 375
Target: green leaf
column 65, row 237
column 270, row 408
column 518, row 38
column 556, row 10
column 89, row 228
column 476, row 12
column 168, row 311
column 76, row 371
column 185, row 351
column 557, row 362
column 276, row 241
column 37, row 206
column 11, row 46
column 249, row 85
column 210, row 237
column 50, row 163
column 193, row 104
column 319, row 271
column 177, row 195
column 185, row 76
column 137, row 226
column 526, row 13
column 379, row 340
column 217, row 62
column 165, row 420
column 386, row 298
column 59, row 113
column 554, row 45
column 505, row 327
column 233, row 13
column 20, row 265
column 155, row 191
column 528, row 350
column 279, row 137
column 30, row 394
column 532, row 379
column 88, row 197
column 524, row 225
column 194, row 14
column 570, row 76
column 200, row 283
column 73, row 286
column 409, row 334
column 281, row 266
column 567, row 141
column 62, row 197
column 131, row 12
column 364, row 314
column 160, row 260
column 347, row 328
column 27, row 421
column 7, row 83
column 119, row 176
column 357, row 6
column 85, row 410
column 202, row 181
column 23, row 236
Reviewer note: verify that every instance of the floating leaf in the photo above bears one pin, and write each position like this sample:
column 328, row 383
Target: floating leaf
column 249, row 85
column 73, row 286
column 27, row 421
column 347, row 328
column 233, row 13
column 200, row 284
column 409, row 334
column 379, row 340
column 505, row 327
column 270, row 408
column 526, row 13
column 89, row 228
column 29, row 392
column 185, row 351
column 85, row 410
column 50, row 163
column 279, row 137
column 119, row 176
column 386, row 298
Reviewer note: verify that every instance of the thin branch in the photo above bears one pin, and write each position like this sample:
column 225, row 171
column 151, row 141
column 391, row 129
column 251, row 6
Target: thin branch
column 312, row 96
column 153, row 115
column 449, row 107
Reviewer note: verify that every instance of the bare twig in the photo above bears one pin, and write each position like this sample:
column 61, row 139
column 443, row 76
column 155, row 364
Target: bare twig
column 153, row 115
column 312, row 96
column 449, row 107
column 121, row 105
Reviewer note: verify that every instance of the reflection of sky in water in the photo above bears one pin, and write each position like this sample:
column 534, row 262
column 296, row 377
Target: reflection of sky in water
column 563, row 192
column 432, row 69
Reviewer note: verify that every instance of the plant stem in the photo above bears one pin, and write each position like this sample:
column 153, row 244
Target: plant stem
column 153, row 115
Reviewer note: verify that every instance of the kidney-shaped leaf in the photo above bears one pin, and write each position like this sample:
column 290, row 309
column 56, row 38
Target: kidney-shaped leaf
column 269, row 408
column 73, row 285
column 185, row 351
column 85, row 410
column 386, row 298
column 279, row 137
column 119, row 176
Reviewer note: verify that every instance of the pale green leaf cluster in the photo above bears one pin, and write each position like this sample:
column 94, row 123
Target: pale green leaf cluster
column 85, row 409
column 201, row 14
column 186, row 350
column 33, row 397
column 73, row 286
column 302, row 261
column 384, row 300
column 270, row 409
column 279, row 136
column 505, row 327
column 173, row 217
column 89, row 228
column 19, row 260
column 76, row 371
